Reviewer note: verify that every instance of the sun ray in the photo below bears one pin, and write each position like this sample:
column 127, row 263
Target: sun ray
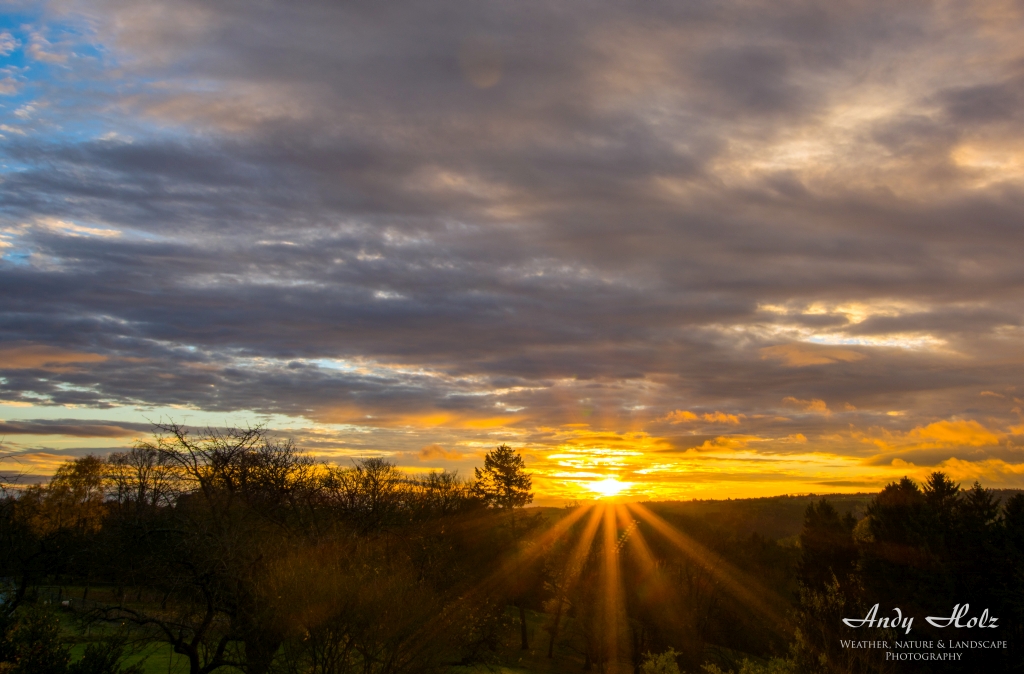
column 614, row 613
column 526, row 553
column 626, row 523
column 573, row 569
column 649, row 572
column 740, row 585
column 538, row 545
column 579, row 553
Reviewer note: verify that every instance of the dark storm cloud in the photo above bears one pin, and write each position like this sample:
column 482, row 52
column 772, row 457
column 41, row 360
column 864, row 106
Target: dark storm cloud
column 334, row 211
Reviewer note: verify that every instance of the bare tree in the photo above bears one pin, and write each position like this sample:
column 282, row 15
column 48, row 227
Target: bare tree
column 236, row 495
column 141, row 478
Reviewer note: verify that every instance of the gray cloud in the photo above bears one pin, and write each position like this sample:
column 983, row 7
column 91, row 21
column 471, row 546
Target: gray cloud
column 73, row 428
column 314, row 212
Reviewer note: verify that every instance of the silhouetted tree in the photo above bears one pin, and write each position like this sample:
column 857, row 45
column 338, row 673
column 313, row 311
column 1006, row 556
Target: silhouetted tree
column 503, row 483
column 827, row 547
column 930, row 549
column 261, row 553
column 943, row 497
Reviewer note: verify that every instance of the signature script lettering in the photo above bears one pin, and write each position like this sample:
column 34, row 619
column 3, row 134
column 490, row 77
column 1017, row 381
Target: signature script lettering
column 958, row 618
column 985, row 620
column 872, row 620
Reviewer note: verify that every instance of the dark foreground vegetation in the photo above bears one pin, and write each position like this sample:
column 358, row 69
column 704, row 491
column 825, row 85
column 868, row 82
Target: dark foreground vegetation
column 228, row 552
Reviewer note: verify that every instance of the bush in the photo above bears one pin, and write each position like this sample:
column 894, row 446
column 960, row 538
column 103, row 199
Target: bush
column 664, row 663
column 34, row 646
column 773, row 666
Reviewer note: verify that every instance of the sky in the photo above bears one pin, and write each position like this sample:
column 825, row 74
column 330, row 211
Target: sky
column 664, row 249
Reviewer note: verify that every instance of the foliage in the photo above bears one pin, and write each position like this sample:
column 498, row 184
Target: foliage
column 928, row 548
column 33, row 644
column 72, row 502
column 816, row 648
column 503, row 482
column 829, row 551
column 772, row 666
column 219, row 528
column 236, row 549
column 663, row 663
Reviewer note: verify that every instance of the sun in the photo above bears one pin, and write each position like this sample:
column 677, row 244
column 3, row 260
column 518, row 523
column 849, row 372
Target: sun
column 610, row 486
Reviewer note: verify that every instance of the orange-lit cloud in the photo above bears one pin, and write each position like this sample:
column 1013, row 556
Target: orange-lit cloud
column 815, row 405
column 37, row 356
column 944, row 434
column 803, row 354
column 685, row 416
column 953, row 433
column 990, row 472
column 721, row 418
column 681, row 416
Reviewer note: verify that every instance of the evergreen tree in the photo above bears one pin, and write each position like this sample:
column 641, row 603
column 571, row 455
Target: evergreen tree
column 827, row 547
column 503, row 481
column 943, row 497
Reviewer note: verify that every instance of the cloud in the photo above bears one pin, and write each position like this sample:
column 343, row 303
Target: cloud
column 438, row 452
column 8, row 43
column 816, row 405
column 25, row 112
column 74, row 229
column 40, row 49
column 74, row 428
column 681, row 416
column 993, row 473
column 933, row 444
column 721, row 418
column 435, row 224
column 38, row 356
column 802, row 355
column 685, row 416
column 953, row 433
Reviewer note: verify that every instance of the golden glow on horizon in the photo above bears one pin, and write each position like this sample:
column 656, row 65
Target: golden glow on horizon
column 687, row 453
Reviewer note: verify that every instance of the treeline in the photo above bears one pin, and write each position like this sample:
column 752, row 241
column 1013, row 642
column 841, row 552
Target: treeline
column 776, row 517
column 237, row 549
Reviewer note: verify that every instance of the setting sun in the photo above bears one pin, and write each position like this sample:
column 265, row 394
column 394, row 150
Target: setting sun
column 608, row 486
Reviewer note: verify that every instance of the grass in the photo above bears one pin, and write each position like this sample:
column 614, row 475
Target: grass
column 511, row 659
column 158, row 657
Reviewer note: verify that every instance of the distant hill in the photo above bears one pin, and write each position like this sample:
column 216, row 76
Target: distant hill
column 776, row 517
